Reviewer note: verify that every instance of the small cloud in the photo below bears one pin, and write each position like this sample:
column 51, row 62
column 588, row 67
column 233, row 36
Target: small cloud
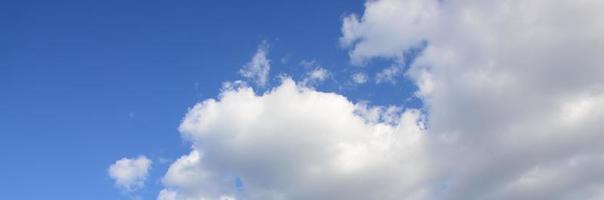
column 388, row 75
column 315, row 76
column 309, row 63
column 359, row 78
column 130, row 174
column 232, row 85
column 318, row 74
column 257, row 69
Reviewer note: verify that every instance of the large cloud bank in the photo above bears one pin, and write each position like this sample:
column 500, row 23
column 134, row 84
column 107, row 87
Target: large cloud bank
column 514, row 94
column 514, row 90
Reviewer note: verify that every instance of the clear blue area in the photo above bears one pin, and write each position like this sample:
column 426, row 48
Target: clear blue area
column 84, row 83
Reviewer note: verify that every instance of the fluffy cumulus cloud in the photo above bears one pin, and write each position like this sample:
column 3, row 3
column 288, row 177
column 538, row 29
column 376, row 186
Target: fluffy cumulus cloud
column 257, row 70
column 514, row 103
column 130, row 173
column 297, row 143
column 514, row 90
column 378, row 34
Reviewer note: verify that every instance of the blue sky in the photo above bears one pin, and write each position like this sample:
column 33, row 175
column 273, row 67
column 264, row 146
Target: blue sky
column 86, row 82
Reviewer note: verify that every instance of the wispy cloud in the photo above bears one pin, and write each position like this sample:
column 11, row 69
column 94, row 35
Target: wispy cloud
column 359, row 78
column 257, row 69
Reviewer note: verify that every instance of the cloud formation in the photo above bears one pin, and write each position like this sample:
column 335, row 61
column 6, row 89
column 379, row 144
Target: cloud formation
column 315, row 76
column 388, row 75
column 297, row 143
column 514, row 100
column 130, row 174
column 514, row 90
column 359, row 78
column 257, row 70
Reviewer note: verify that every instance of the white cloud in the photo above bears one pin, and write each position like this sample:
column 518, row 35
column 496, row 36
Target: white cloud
column 315, row 76
column 513, row 90
column 318, row 74
column 257, row 69
column 388, row 74
column 297, row 143
column 167, row 194
column 377, row 34
column 130, row 174
column 359, row 78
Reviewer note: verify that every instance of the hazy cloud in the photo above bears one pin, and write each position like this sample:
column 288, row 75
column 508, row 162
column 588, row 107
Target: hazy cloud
column 257, row 70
